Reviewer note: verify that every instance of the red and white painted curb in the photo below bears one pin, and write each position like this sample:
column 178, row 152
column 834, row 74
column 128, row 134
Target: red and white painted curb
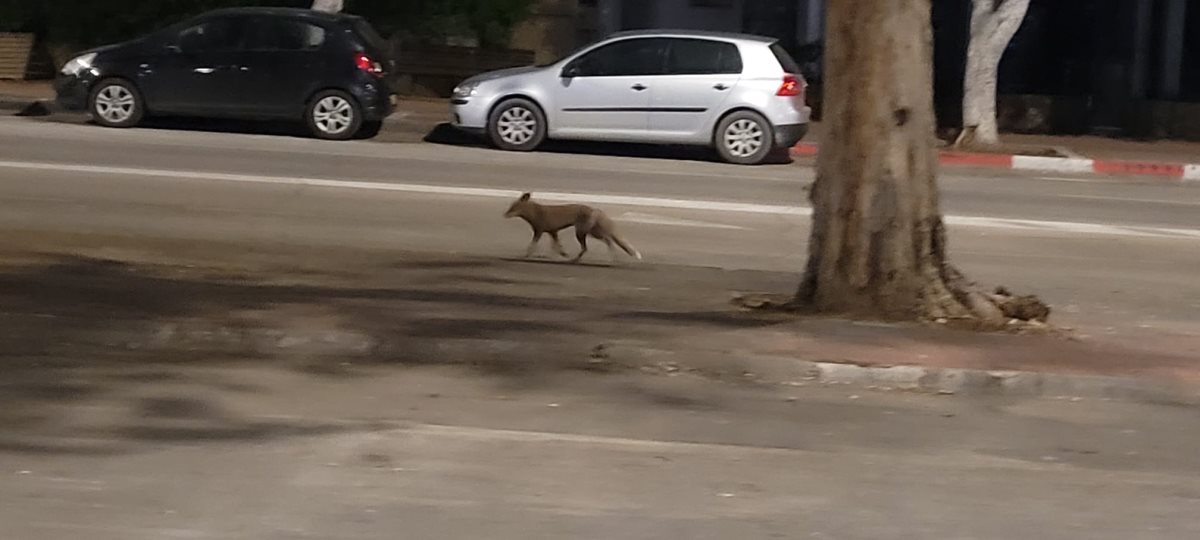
column 1175, row 171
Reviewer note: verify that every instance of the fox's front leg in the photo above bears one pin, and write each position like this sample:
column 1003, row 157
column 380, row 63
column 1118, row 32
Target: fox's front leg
column 537, row 235
column 558, row 247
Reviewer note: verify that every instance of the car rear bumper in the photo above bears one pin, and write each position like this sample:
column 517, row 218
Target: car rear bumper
column 377, row 99
column 787, row 136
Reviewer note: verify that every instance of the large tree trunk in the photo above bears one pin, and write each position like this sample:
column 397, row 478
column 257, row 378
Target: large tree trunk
column 993, row 25
column 878, row 246
column 332, row 6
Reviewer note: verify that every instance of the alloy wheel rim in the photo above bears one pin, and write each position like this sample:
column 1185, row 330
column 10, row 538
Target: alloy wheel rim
column 115, row 103
column 333, row 115
column 517, row 125
column 744, row 138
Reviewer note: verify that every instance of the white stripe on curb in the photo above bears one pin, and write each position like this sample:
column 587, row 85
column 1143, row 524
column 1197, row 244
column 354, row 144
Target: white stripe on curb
column 1191, row 172
column 1050, row 164
column 595, row 198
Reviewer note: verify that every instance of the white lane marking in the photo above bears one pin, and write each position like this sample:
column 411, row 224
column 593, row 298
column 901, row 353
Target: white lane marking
column 1089, row 180
column 623, row 200
column 618, row 200
column 1130, row 199
column 388, row 151
column 650, row 219
column 1050, row 164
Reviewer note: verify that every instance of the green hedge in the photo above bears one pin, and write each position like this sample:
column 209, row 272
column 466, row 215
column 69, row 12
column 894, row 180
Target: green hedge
column 86, row 23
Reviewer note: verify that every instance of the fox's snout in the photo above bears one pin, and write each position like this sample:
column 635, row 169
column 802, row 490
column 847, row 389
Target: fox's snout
column 515, row 209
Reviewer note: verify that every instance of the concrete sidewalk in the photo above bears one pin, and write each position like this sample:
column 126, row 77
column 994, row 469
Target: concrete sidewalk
column 525, row 315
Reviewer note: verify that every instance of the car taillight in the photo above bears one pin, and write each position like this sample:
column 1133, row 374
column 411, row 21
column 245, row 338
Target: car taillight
column 367, row 64
column 792, row 86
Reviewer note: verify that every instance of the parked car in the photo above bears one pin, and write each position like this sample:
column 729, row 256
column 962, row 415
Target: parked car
column 742, row 94
column 250, row 63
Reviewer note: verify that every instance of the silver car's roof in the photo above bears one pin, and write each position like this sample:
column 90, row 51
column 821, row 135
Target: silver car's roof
column 663, row 32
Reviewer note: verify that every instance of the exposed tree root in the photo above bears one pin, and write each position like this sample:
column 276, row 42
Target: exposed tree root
column 999, row 311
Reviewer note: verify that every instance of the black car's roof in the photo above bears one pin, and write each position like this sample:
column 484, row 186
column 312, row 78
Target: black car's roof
column 281, row 12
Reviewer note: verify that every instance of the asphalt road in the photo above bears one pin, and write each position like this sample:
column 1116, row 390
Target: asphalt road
column 1111, row 256
column 232, row 452
column 258, row 448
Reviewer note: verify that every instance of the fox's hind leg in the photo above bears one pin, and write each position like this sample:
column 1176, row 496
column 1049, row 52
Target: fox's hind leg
column 581, row 236
column 612, row 254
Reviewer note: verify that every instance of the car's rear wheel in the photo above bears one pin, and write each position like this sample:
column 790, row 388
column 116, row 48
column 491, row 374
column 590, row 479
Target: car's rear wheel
column 116, row 103
column 517, row 124
column 745, row 138
column 334, row 115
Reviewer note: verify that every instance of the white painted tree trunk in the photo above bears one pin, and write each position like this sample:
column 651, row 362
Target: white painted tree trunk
column 332, row 6
column 993, row 25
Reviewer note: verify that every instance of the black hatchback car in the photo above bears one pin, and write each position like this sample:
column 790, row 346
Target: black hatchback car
column 249, row 63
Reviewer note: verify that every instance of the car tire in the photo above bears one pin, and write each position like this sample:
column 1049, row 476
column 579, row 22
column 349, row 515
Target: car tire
column 744, row 138
column 333, row 115
column 517, row 124
column 116, row 103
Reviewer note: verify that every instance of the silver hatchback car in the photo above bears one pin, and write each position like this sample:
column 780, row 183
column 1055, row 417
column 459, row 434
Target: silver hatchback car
column 740, row 94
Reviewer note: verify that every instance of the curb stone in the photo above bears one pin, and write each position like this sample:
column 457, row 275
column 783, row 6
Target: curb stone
column 728, row 365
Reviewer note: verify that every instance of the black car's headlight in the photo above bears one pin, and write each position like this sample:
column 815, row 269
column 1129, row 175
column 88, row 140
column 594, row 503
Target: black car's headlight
column 79, row 64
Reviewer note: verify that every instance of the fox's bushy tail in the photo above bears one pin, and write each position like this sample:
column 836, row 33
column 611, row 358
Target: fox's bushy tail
column 627, row 247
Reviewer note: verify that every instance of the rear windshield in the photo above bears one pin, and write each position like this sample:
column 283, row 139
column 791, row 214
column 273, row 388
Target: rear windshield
column 369, row 35
column 785, row 60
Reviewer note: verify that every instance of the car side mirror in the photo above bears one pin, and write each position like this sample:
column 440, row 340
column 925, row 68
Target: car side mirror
column 571, row 71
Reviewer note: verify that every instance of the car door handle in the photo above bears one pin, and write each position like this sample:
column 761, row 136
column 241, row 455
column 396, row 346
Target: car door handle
column 721, row 86
column 243, row 68
column 205, row 70
column 639, row 87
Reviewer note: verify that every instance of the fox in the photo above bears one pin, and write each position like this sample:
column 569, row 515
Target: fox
column 550, row 219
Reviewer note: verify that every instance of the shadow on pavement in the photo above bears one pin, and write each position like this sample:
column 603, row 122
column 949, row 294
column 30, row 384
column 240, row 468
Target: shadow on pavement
column 85, row 332
column 446, row 134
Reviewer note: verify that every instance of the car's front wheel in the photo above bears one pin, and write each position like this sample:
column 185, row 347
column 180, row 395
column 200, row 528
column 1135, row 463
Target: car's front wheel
column 116, row 103
column 745, row 138
column 517, row 124
column 334, row 115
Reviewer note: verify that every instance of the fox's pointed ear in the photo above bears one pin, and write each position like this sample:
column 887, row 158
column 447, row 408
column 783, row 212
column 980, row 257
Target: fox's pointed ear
column 526, row 196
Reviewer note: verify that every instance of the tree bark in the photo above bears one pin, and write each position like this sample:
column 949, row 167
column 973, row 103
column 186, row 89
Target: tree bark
column 993, row 25
column 878, row 245
column 332, row 6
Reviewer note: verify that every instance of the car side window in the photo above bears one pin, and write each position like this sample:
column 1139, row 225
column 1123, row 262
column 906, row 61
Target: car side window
column 212, row 36
column 630, row 57
column 703, row 57
column 276, row 34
